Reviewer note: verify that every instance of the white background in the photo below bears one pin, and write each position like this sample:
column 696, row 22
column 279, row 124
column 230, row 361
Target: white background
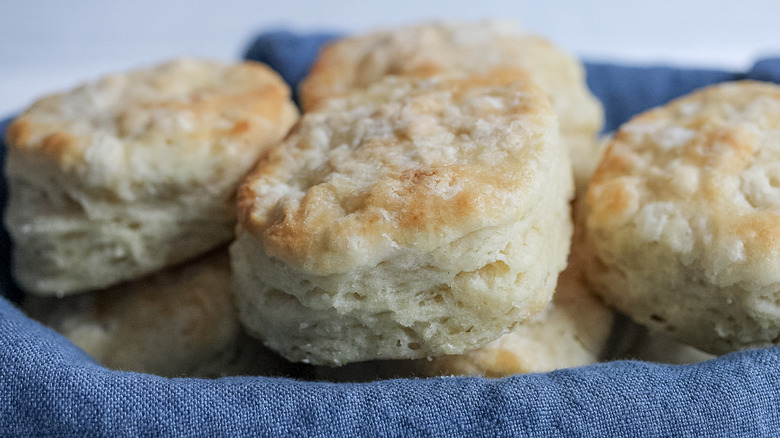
column 48, row 45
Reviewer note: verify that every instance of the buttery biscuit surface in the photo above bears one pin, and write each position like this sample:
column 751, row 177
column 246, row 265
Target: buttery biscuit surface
column 405, row 221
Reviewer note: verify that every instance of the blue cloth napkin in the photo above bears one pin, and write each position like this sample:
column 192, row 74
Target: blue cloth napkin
column 49, row 387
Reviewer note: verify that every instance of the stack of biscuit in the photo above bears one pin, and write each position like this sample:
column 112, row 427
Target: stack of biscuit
column 415, row 221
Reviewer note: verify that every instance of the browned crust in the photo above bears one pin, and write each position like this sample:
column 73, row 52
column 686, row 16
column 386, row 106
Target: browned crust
column 249, row 88
column 404, row 205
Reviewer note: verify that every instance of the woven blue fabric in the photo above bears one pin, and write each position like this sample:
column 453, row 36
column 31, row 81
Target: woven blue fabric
column 49, row 387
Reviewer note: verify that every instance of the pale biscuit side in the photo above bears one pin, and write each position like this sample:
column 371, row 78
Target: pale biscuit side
column 573, row 330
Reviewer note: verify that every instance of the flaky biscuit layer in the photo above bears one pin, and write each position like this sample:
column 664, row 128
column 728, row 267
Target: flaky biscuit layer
column 571, row 331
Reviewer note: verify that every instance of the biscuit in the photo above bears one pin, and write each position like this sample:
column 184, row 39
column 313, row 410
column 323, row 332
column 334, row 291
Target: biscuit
column 181, row 321
column 573, row 330
column 136, row 171
column 414, row 218
column 683, row 218
column 466, row 47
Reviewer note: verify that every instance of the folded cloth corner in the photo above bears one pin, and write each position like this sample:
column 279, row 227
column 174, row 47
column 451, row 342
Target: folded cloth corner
column 290, row 54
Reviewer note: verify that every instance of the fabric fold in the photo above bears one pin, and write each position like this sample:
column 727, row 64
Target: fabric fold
column 50, row 387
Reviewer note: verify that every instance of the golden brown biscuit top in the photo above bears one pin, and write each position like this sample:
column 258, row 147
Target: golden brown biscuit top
column 700, row 175
column 405, row 163
column 181, row 123
column 454, row 47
